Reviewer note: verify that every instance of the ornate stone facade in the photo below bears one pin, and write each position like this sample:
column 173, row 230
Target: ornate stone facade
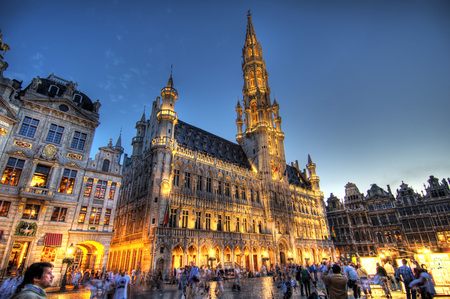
column 49, row 207
column 189, row 195
column 380, row 223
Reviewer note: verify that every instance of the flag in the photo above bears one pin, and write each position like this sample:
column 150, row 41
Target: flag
column 166, row 216
column 333, row 234
column 276, row 169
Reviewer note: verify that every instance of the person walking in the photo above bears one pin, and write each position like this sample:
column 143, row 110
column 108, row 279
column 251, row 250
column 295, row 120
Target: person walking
column 392, row 283
column 336, row 282
column 37, row 277
column 405, row 274
column 353, row 279
column 122, row 284
column 364, row 281
column 382, row 277
column 306, row 281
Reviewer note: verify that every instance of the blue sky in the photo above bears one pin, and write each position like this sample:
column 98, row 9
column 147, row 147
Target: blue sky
column 363, row 86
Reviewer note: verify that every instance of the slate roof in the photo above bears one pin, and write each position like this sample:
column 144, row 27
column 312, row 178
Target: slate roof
column 297, row 178
column 208, row 143
column 200, row 140
column 45, row 84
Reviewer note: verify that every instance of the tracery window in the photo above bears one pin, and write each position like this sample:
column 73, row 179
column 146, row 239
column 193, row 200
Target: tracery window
column 184, row 219
column 176, row 177
column 187, row 180
column 208, row 185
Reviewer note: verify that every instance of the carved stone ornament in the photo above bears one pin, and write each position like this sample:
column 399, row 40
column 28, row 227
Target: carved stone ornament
column 26, row 229
column 49, row 151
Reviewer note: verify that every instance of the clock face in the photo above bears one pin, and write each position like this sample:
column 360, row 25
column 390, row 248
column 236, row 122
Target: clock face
column 49, row 151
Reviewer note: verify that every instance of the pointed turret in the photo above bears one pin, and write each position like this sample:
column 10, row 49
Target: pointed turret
column 312, row 174
column 118, row 145
column 166, row 115
column 138, row 140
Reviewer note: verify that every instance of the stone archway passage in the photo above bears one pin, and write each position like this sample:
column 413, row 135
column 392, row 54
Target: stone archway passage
column 89, row 255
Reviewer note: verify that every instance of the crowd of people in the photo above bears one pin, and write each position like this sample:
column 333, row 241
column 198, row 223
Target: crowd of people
column 335, row 280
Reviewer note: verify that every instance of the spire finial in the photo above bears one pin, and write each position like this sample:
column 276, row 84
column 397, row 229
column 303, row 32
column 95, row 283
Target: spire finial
column 249, row 14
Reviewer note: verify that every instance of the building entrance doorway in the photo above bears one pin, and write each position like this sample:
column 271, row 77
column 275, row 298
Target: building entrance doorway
column 18, row 256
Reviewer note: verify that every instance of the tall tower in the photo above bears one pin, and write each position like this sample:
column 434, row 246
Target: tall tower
column 262, row 138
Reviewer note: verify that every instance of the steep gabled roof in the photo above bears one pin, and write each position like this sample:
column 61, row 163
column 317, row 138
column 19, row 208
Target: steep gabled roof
column 208, row 143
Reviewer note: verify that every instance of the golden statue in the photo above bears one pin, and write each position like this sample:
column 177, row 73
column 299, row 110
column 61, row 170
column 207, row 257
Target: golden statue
column 3, row 47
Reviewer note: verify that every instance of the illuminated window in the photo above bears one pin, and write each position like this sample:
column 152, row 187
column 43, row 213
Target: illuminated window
column 4, row 208
column 78, row 140
column 49, row 254
column 105, row 166
column 95, row 215
column 59, row 214
column 259, row 78
column 12, row 172
column 31, row 211
column 176, row 177
column 67, row 181
column 40, row 176
column 252, row 79
column 29, row 127
column 54, row 134
column 100, row 190
column 112, row 191
column 87, row 191
column 82, row 216
column 107, row 217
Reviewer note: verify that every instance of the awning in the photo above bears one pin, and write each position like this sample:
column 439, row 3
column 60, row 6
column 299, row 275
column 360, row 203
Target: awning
column 53, row 240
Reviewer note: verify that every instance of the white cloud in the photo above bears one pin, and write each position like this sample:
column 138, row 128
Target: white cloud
column 113, row 57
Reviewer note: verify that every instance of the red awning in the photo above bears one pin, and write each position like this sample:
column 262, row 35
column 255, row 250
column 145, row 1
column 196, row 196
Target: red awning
column 53, row 240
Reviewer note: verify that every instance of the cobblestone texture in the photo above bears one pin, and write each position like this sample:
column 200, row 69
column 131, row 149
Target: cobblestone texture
column 252, row 288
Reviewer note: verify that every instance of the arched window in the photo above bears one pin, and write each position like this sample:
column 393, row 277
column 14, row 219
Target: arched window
column 259, row 78
column 252, row 79
column 105, row 166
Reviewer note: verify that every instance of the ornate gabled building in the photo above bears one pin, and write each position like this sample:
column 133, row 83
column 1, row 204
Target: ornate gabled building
column 55, row 201
column 380, row 223
column 189, row 195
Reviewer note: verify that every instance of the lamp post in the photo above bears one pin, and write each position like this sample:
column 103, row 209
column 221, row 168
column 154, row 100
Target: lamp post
column 212, row 258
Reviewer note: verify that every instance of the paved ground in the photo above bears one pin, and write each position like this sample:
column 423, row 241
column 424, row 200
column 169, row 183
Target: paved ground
column 257, row 288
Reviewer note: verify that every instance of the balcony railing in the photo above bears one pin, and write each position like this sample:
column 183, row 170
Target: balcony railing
column 38, row 192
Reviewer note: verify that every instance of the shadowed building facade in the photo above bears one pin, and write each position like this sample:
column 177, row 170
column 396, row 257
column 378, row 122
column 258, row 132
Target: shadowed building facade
column 189, row 195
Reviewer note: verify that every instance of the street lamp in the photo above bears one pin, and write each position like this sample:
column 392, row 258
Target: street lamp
column 211, row 258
